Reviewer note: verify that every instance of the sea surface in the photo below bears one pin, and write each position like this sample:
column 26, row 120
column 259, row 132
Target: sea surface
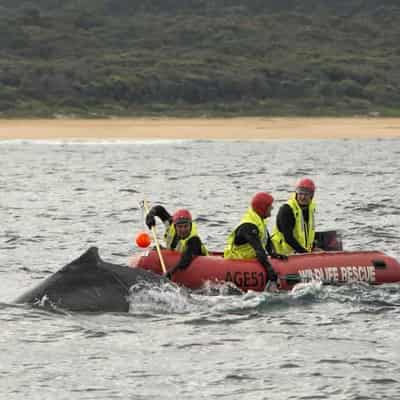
column 317, row 342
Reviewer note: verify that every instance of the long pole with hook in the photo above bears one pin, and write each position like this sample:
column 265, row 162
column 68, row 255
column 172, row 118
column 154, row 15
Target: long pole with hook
column 154, row 232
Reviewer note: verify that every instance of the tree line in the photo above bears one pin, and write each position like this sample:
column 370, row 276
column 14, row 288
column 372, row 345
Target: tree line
column 199, row 57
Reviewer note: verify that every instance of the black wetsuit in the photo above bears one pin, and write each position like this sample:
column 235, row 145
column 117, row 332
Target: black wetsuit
column 194, row 244
column 248, row 233
column 285, row 221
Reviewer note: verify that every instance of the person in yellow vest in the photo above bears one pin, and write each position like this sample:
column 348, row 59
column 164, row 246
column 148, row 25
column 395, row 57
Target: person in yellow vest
column 250, row 239
column 180, row 234
column 294, row 231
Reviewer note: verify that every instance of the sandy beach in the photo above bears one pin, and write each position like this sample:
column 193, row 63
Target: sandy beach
column 197, row 128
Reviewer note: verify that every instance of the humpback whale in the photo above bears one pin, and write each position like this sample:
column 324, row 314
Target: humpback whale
column 89, row 284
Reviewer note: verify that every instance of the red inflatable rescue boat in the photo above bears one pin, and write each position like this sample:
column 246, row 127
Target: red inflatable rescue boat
column 337, row 267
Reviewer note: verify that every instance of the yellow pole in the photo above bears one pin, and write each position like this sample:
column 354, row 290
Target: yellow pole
column 153, row 230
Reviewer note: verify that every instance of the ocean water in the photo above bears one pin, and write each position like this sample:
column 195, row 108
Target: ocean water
column 316, row 342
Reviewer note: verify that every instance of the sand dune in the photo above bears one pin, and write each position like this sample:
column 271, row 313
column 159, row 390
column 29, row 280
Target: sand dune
column 197, row 128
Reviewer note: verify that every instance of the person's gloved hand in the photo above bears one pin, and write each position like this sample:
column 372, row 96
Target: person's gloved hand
column 150, row 220
column 272, row 276
column 168, row 275
column 279, row 256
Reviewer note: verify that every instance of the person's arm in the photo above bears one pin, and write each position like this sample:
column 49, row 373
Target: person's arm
column 160, row 212
column 285, row 222
column 248, row 233
column 193, row 249
column 271, row 250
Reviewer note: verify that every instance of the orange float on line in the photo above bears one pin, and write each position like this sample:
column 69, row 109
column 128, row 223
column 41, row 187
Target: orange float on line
column 143, row 239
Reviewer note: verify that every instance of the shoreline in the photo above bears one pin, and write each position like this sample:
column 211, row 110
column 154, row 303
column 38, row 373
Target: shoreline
column 238, row 128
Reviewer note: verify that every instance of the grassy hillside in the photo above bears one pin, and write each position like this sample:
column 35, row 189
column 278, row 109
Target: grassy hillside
column 203, row 57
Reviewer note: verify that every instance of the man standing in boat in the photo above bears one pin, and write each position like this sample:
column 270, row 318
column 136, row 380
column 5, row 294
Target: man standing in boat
column 180, row 234
column 250, row 239
column 295, row 223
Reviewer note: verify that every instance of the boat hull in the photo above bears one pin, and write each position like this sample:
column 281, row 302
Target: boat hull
column 339, row 267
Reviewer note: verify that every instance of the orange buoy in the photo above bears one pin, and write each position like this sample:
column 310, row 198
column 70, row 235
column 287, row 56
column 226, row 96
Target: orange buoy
column 143, row 239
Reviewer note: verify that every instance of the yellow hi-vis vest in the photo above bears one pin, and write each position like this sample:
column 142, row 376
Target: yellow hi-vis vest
column 170, row 233
column 302, row 232
column 246, row 251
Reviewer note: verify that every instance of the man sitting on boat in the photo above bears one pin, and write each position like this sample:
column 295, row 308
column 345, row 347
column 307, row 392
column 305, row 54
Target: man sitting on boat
column 250, row 239
column 295, row 223
column 180, row 234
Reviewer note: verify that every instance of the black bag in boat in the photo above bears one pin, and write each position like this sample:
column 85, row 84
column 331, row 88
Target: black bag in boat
column 328, row 240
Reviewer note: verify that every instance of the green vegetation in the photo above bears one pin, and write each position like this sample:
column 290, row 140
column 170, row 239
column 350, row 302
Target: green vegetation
column 99, row 58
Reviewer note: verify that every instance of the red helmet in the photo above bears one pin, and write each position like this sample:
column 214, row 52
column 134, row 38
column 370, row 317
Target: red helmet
column 260, row 203
column 305, row 183
column 182, row 216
